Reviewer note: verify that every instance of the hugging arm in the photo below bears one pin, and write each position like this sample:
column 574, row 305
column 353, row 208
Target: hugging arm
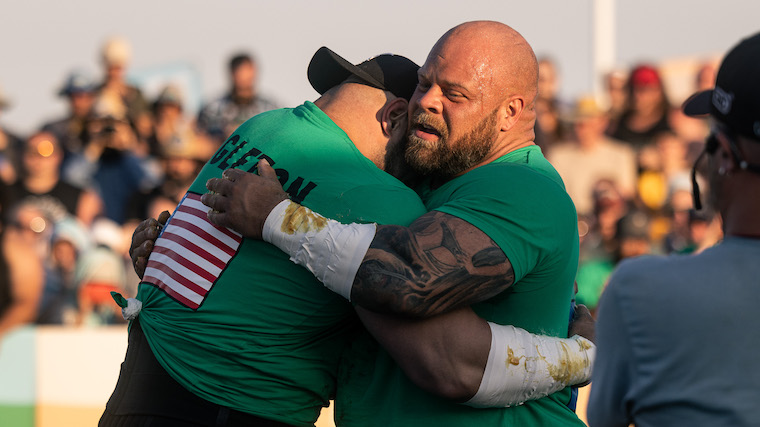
column 460, row 356
column 437, row 264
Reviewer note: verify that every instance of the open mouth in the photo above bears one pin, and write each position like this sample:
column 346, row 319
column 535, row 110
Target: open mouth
column 425, row 132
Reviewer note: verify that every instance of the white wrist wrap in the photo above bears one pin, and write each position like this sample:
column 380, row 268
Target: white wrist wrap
column 523, row 366
column 331, row 251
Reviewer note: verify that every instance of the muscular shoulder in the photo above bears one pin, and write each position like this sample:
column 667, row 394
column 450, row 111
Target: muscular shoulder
column 383, row 202
column 506, row 189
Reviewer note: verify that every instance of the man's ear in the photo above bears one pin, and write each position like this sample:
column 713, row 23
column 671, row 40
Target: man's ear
column 394, row 115
column 509, row 112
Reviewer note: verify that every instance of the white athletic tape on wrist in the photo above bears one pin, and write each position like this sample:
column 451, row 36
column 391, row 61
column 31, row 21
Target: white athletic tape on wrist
column 332, row 251
column 523, row 366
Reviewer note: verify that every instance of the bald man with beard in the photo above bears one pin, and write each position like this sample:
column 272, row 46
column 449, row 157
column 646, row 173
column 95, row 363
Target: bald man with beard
column 500, row 236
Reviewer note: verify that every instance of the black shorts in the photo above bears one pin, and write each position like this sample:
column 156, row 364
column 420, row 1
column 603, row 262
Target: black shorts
column 146, row 395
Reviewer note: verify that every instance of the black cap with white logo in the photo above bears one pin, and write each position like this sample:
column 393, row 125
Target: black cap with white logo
column 735, row 100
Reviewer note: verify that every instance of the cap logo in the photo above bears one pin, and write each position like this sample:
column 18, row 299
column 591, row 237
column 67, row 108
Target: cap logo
column 722, row 100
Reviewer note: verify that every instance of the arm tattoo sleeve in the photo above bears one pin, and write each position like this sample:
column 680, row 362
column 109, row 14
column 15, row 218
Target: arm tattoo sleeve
column 438, row 264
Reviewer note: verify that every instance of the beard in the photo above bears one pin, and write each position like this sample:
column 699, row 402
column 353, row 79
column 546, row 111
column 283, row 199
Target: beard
column 397, row 165
column 445, row 158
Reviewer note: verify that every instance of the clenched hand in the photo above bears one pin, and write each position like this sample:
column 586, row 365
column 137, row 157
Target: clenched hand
column 143, row 238
column 242, row 200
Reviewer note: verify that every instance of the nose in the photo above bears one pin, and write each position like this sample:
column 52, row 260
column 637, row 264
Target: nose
column 429, row 100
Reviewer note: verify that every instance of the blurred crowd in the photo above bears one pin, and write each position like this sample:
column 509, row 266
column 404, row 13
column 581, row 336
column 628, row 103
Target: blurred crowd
column 73, row 190
column 626, row 160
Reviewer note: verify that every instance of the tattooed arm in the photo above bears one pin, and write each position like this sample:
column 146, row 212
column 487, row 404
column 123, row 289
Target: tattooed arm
column 450, row 354
column 437, row 264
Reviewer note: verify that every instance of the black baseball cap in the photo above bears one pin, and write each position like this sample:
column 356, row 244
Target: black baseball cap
column 394, row 73
column 735, row 100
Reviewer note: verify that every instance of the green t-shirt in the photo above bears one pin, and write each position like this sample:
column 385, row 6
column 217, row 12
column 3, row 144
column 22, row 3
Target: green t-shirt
column 592, row 277
column 232, row 319
column 519, row 201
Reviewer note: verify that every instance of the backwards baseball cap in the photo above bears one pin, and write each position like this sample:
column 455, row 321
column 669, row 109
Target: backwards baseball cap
column 393, row 73
column 735, row 100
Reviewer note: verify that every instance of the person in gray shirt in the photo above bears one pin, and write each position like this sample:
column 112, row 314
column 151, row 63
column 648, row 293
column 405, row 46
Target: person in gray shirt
column 678, row 337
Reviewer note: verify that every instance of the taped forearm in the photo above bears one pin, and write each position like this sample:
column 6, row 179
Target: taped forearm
column 522, row 366
column 331, row 251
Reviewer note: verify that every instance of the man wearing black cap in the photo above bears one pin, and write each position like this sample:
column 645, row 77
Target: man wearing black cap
column 80, row 90
column 689, row 356
column 253, row 337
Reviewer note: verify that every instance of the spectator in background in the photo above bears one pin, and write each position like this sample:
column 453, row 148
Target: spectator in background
column 169, row 122
column 21, row 277
column 10, row 144
column 42, row 202
column 548, row 79
column 677, row 336
column 109, row 163
column 662, row 168
column 70, row 131
column 219, row 118
column 646, row 111
column 633, row 235
column 35, row 225
column 100, row 271
column 591, row 156
column 599, row 244
column 549, row 109
column 40, row 183
column 631, row 239
column 118, row 96
column 671, row 151
column 609, row 207
column 691, row 130
column 69, row 242
column 182, row 159
column 549, row 128
column 617, row 96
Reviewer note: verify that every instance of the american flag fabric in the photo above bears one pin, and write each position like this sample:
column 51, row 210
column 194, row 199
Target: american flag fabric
column 190, row 254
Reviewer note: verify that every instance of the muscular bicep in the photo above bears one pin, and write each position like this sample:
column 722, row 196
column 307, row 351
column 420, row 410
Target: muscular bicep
column 437, row 264
column 445, row 355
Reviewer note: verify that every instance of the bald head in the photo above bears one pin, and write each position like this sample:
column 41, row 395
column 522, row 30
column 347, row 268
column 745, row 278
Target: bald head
column 475, row 100
column 499, row 57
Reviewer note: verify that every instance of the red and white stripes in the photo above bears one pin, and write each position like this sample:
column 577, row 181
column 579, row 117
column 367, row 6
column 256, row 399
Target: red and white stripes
column 191, row 253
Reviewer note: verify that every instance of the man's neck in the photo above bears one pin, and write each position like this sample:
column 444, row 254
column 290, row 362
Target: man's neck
column 40, row 184
column 740, row 215
column 500, row 150
column 242, row 96
column 355, row 114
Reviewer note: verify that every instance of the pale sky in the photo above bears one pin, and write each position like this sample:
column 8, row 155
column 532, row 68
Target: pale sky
column 42, row 40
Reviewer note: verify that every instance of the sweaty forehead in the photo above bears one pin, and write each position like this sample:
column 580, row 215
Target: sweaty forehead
column 462, row 65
